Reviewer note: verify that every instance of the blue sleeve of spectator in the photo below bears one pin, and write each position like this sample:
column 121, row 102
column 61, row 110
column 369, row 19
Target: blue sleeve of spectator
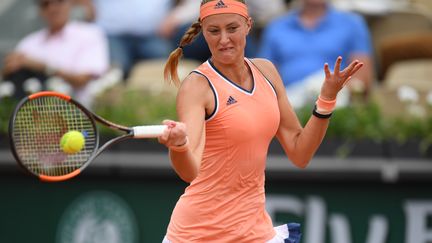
column 361, row 37
column 267, row 45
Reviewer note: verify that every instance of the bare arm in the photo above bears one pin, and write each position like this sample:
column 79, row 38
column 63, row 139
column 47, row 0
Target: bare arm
column 192, row 100
column 15, row 61
column 300, row 144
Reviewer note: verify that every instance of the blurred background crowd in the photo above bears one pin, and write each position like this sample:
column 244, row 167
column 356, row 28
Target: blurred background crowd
column 94, row 50
column 370, row 181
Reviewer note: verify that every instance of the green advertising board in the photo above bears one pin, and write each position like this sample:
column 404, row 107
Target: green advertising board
column 119, row 209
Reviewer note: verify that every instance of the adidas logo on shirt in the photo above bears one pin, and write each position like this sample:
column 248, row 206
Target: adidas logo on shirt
column 231, row 101
column 220, row 4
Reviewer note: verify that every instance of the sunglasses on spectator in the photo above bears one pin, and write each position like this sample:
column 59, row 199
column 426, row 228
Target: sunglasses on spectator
column 47, row 3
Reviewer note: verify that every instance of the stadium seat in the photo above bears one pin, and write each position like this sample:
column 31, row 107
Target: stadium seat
column 415, row 75
column 149, row 75
column 393, row 27
column 426, row 5
column 399, row 48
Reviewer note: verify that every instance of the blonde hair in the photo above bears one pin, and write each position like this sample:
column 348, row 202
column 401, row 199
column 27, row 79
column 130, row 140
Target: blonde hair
column 170, row 70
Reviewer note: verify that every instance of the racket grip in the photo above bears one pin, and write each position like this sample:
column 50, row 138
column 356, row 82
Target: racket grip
column 152, row 131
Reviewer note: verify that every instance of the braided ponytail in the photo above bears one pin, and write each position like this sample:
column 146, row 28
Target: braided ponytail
column 170, row 70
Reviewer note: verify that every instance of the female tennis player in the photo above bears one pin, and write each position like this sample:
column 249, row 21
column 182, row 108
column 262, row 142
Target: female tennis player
column 229, row 109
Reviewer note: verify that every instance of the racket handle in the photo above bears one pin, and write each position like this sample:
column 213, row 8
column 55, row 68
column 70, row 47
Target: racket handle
column 152, row 131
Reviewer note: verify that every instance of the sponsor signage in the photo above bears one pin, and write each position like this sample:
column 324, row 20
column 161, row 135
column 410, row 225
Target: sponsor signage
column 132, row 210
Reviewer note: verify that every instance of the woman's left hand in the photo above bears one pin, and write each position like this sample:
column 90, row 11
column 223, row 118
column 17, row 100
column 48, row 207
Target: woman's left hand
column 335, row 81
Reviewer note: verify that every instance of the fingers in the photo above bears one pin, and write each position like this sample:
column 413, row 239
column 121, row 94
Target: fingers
column 174, row 134
column 327, row 71
column 348, row 70
column 337, row 66
column 342, row 76
column 165, row 135
column 169, row 123
column 357, row 67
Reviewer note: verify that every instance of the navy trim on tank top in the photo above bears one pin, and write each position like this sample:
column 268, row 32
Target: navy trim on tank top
column 268, row 80
column 207, row 116
column 233, row 83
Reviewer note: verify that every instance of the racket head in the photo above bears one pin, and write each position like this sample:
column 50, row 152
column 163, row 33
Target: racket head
column 36, row 128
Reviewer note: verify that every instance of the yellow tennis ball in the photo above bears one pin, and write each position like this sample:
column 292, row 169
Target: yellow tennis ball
column 72, row 142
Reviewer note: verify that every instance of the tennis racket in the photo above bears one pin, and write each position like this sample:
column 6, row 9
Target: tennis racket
column 39, row 123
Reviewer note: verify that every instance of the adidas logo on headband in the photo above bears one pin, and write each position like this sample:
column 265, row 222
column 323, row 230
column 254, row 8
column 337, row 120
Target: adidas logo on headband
column 223, row 7
column 220, row 4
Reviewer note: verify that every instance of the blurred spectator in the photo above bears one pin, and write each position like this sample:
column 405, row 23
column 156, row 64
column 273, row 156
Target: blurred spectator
column 312, row 34
column 65, row 56
column 263, row 12
column 83, row 10
column 186, row 12
column 177, row 22
column 131, row 27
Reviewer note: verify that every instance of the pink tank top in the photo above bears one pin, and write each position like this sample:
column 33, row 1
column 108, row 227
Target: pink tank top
column 226, row 202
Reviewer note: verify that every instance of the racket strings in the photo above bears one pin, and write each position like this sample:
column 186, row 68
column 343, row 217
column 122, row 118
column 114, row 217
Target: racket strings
column 38, row 128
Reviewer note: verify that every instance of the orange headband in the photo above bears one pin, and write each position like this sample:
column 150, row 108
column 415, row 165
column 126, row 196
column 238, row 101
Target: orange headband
column 223, row 7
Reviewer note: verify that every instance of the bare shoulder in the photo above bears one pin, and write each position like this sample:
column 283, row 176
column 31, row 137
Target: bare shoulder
column 195, row 88
column 194, row 83
column 264, row 65
column 269, row 70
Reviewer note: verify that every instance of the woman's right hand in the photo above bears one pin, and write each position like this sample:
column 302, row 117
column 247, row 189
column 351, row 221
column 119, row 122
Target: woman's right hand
column 174, row 135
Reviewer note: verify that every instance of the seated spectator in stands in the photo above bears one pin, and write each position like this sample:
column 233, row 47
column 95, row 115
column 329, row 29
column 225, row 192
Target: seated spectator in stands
column 177, row 22
column 180, row 18
column 83, row 10
column 314, row 33
column 131, row 27
column 74, row 53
